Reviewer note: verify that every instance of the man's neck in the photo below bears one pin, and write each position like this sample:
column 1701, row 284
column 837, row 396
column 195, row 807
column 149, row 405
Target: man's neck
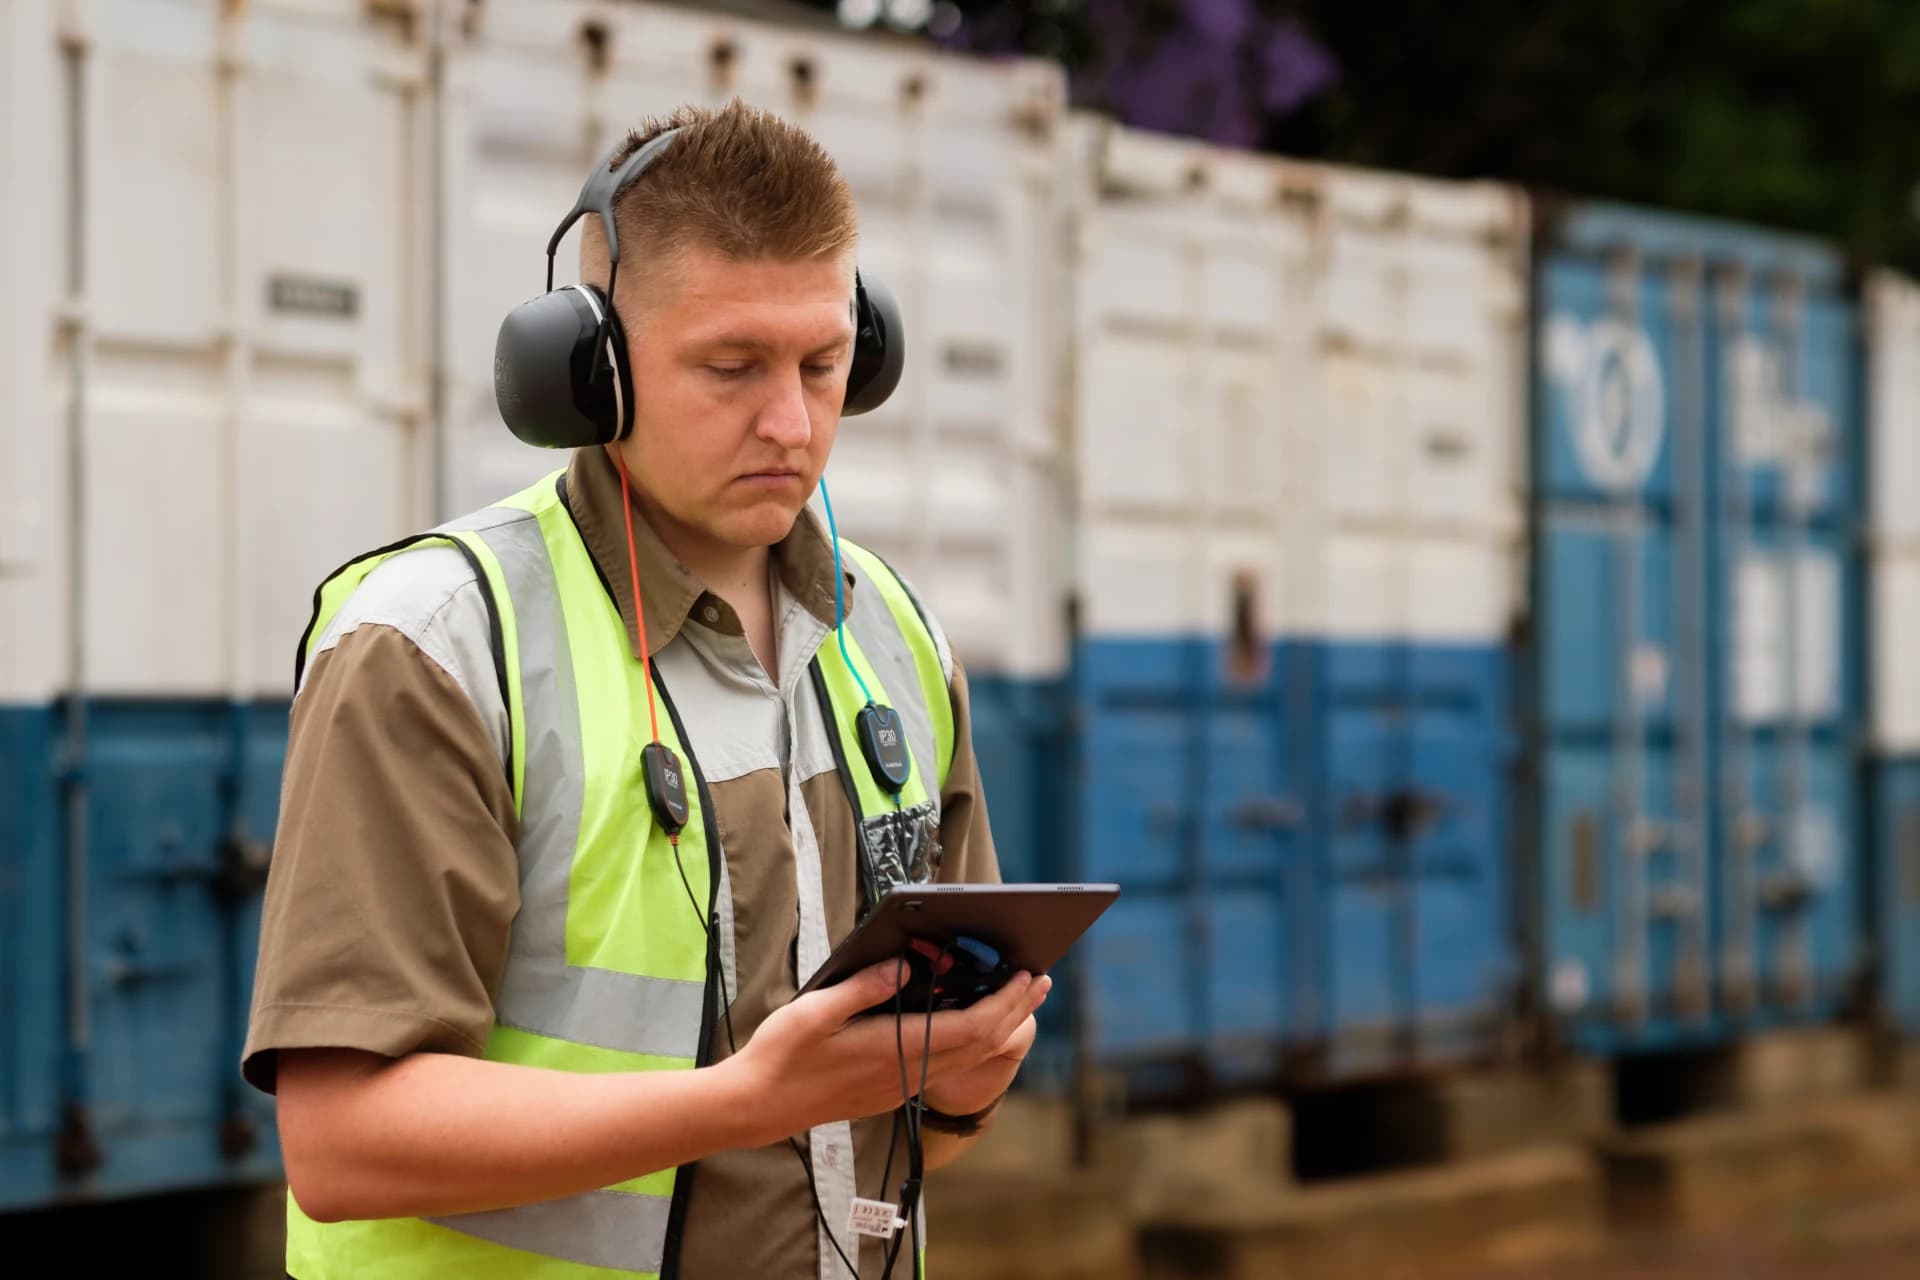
column 737, row 575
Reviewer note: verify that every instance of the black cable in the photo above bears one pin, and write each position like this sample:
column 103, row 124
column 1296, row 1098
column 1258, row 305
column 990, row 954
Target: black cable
column 893, row 1140
column 906, row 1110
column 732, row 1044
column 733, row 1047
column 916, row 1154
column 912, row 1105
column 713, row 940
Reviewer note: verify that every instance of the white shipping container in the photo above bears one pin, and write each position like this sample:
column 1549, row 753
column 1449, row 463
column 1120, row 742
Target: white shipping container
column 214, row 332
column 1307, row 374
column 1893, row 522
column 280, row 231
column 957, row 481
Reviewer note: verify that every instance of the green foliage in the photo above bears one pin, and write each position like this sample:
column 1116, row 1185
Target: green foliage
column 1792, row 113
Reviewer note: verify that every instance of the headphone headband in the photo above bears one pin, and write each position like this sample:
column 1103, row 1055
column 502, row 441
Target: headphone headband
column 602, row 187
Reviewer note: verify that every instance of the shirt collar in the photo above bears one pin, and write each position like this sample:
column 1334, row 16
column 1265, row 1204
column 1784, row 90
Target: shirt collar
column 673, row 592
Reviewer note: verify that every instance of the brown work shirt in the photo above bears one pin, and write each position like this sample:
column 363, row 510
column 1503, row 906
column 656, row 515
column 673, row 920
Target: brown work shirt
column 395, row 881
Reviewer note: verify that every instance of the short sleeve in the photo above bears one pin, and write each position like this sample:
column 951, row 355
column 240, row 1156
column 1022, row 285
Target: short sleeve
column 394, row 879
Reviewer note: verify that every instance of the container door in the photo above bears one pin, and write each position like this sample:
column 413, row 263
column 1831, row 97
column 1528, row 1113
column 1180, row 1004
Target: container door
column 1894, row 692
column 1620, row 600
column 1695, row 595
column 1784, row 344
column 1186, row 349
column 1415, row 443
column 1137, row 674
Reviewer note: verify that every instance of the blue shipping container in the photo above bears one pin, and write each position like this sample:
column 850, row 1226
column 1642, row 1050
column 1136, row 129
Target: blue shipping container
column 1696, row 702
column 126, row 987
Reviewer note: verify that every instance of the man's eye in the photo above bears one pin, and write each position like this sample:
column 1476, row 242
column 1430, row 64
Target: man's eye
column 817, row 370
column 729, row 371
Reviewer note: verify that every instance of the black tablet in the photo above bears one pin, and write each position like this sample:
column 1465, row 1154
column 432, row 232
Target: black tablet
column 962, row 941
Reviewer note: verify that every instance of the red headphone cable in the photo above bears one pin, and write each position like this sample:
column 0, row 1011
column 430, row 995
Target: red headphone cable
column 665, row 778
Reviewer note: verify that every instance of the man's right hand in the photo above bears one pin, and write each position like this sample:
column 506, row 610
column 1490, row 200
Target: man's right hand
column 816, row 1060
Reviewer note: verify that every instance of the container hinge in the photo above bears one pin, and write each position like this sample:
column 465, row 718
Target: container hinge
column 1784, row 891
column 1268, row 813
column 77, row 1152
column 1673, row 902
column 244, row 862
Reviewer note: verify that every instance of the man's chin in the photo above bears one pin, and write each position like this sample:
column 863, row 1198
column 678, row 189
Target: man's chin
column 762, row 526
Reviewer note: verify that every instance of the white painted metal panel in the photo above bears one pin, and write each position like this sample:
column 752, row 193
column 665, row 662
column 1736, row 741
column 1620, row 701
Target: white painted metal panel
column 1419, row 428
column 1137, row 578
column 213, row 302
column 956, row 480
column 1894, row 581
column 1893, row 410
column 34, row 605
column 1306, row 373
column 1786, row 662
column 516, row 141
column 1893, row 479
column 1188, row 276
column 254, row 330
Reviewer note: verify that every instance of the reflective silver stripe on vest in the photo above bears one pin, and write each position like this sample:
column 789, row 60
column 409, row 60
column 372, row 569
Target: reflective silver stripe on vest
column 892, row 659
column 614, row 1229
column 540, row 992
column 723, row 933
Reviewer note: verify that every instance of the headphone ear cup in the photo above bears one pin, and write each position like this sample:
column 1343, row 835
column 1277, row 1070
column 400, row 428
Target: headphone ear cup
column 879, row 348
column 557, row 384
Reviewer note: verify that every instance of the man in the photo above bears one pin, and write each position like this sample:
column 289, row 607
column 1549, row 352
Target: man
column 523, row 1016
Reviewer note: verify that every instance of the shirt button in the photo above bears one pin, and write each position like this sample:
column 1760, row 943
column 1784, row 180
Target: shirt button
column 710, row 613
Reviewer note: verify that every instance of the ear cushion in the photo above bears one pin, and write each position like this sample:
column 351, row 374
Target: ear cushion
column 557, row 385
column 879, row 347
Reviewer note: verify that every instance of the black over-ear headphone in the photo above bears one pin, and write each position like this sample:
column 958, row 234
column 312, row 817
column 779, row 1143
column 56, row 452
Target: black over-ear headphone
column 560, row 372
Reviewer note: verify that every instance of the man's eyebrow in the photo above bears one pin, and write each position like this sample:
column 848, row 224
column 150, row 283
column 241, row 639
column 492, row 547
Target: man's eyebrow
column 747, row 342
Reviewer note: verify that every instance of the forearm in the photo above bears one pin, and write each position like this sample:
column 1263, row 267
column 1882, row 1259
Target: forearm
column 438, row 1134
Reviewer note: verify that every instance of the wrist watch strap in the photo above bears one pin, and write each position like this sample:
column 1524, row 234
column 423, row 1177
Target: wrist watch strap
column 964, row 1126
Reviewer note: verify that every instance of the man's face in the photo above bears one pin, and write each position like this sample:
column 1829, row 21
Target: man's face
column 739, row 370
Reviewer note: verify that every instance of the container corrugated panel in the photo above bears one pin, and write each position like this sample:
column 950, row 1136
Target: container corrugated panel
column 1696, row 418
column 1409, row 465
column 1190, row 794
column 1893, row 541
column 237, row 356
column 957, row 480
column 33, row 610
column 1298, row 523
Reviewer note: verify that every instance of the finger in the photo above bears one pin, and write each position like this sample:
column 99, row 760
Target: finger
column 846, row 1000
column 1022, row 1011
column 1020, row 1043
column 970, row 1036
column 990, row 1019
column 968, row 1062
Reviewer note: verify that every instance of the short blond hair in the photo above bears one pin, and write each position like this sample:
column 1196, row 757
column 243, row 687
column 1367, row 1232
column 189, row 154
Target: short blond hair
column 739, row 181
